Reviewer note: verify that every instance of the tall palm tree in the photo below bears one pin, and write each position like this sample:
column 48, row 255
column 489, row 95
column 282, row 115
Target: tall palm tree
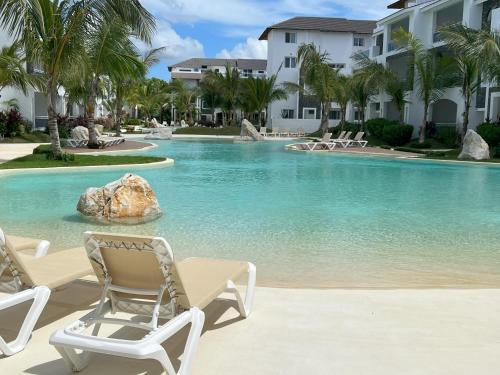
column 472, row 49
column 54, row 32
column 319, row 79
column 361, row 92
column 210, row 95
column 397, row 90
column 151, row 95
column 185, row 98
column 111, row 53
column 430, row 72
column 260, row 93
column 12, row 71
column 342, row 95
column 229, row 85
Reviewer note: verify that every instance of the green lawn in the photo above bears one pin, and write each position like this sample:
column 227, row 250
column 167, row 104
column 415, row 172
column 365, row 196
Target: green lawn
column 201, row 130
column 41, row 161
column 35, row 137
column 453, row 155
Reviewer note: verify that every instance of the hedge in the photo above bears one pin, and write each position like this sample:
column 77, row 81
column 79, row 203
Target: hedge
column 490, row 133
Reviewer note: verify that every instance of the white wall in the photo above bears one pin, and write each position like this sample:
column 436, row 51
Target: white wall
column 309, row 126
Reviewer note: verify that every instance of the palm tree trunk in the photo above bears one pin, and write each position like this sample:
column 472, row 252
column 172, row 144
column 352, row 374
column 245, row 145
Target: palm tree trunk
column 90, row 116
column 324, row 117
column 423, row 128
column 343, row 111
column 465, row 125
column 401, row 116
column 259, row 118
column 52, row 121
column 118, row 114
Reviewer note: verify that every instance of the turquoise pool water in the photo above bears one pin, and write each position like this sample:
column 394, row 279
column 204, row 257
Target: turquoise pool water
column 304, row 219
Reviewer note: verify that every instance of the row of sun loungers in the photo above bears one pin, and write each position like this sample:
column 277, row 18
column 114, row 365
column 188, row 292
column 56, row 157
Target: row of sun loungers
column 344, row 140
column 138, row 275
column 276, row 132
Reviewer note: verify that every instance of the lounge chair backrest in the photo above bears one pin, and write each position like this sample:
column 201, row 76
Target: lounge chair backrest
column 342, row 134
column 327, row 137
column 263, row 130
column 14, row 264
column 135, row 263
column 347, row 136
column 359, row 136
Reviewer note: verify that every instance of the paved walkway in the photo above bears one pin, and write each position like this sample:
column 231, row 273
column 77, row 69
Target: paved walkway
column 9, row 151
column 302, row 331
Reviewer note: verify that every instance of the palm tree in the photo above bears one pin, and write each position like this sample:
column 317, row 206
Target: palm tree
column 210, row 95
column 318, row 79
column 342, row 95
column 260, row 93
column 361, row 91
column 471, row 58
column 54, row 33
column 229, row 85
column 151, row 95
column 185, row 98
column 111, row 53
column 12, row 71
column 397, row 90
column 430, row 72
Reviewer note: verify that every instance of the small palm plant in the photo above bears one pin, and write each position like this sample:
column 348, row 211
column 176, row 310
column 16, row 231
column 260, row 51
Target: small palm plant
column 12, row 71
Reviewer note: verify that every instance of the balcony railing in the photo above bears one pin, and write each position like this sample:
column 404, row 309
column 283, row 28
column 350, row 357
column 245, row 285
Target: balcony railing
column 392, row 46
column 376, row 50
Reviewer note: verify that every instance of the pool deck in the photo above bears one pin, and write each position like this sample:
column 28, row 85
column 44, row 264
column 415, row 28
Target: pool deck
column 303, row 331
column 9, row 151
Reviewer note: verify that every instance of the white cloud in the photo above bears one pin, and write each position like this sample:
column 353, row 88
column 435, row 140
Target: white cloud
column 251, row 49
column 175, row 46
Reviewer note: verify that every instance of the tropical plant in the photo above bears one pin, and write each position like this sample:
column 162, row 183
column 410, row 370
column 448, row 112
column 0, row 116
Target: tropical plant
column 430, row 72
column 468, row 65
column 259, row 93
column 210, row 95
column 229, row 86
column 397, row 90
column 361, row 92
column 12, row 71
column 185, row 99
column 54, row 34
column 342, row 95
column 318, row 77
column 150, row 96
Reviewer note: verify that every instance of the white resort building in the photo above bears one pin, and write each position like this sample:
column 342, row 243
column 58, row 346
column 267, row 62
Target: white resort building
column 340, row 37
column 423, row 19
column 191, row 72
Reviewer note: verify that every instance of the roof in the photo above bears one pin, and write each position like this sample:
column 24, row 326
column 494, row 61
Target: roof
column 256, row 64
column 400, row 4
column 340, row 25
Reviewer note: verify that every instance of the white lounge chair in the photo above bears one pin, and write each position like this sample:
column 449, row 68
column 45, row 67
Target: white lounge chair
column 358, row 140
column 140, row 276
column 275, row 132
column 343, row 141
column 263, row 131
column 20, row 269
column 301, row 132
column 40, row 295
column 324, row 142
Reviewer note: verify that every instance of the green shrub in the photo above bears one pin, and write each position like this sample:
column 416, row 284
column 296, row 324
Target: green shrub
column 42, row 149
column 447, row 136
column 490, row 133
column 132, row 121
column 376, row 126
column 417, row 144
column 397, row 135
column 65, row 156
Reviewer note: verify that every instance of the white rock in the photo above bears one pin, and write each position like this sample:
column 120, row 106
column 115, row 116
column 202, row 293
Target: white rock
column 80, row 133
column 474, row 147
column 248, row 132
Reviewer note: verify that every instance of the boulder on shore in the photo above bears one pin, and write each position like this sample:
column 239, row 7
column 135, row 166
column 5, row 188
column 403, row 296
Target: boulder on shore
column 248, row 132
column 474, row 147
column 129, row 199
column 159, row 134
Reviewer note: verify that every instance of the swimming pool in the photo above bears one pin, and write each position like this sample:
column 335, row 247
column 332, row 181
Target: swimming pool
column 305, row 219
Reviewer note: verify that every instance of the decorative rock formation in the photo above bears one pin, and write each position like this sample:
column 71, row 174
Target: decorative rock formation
column 80, row 133
column 129, row 199
column 474, row 147
column 248, row 132
column 159, row 133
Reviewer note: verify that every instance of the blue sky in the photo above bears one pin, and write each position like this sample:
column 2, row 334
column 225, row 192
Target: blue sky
column 231, row 28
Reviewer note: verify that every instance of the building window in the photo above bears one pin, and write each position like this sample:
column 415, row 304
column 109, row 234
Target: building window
column 309, row 113
column 261, row 71
column 290, row 37
column 184, row 70
column 247, row 72
column 216, row 70
column 377, row 107
column 287, row 113
column 359, row 42
column 334, row 114
column 290, row 62
column 357, row 115
column 337, row 66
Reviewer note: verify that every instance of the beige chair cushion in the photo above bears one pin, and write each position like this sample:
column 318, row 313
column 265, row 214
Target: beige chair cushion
column 56, row 269
column 203, row 280
column 21, row 243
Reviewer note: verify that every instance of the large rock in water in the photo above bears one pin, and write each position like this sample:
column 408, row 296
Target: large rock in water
column 474, row 147
column 248, row 132
column 80, row 133
column 159, row 133
column 129, row 199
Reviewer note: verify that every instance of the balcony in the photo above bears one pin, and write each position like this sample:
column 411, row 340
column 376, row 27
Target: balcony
column 376, row 51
